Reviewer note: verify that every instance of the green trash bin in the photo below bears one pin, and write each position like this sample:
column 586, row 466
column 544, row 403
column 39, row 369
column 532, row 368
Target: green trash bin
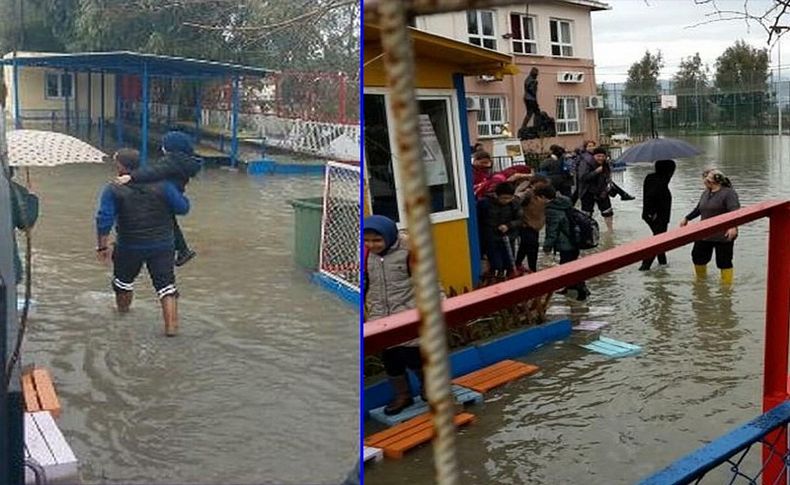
column 307, row 231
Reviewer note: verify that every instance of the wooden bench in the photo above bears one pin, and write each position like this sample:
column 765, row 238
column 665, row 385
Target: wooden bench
column 45, row 444
column 414, row 432
column 495, row 375
column 39, row 392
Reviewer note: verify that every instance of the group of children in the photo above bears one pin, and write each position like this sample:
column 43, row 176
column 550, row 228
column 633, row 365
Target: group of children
column 513, row 207
column 512, row 210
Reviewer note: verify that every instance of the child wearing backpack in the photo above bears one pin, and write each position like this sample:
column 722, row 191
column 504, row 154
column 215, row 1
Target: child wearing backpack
column 561, row 233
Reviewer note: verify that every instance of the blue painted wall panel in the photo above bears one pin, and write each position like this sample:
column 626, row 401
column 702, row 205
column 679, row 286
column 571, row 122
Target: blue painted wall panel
column 474, row 358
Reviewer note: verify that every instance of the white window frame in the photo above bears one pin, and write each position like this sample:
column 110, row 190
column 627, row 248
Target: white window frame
column 523, row 40
column 480, row 35
column 577, row 120
column 459, row 175
column 60, row 75
column 485, row 107
column 560, row 43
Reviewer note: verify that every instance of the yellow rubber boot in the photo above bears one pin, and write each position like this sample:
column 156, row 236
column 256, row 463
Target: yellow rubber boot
column 701, row 270
column 726, row 276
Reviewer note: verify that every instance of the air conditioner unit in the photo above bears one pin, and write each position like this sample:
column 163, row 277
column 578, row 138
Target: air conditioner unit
column 570, row 77
column 473, row 103
column 594, row 102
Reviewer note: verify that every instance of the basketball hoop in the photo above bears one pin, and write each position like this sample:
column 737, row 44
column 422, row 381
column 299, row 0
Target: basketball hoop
column 669, row 101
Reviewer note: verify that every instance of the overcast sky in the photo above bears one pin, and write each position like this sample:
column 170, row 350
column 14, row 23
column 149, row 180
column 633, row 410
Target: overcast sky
column 621, row 35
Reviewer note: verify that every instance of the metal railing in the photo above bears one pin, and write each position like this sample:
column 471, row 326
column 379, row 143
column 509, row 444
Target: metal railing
column 730, row 459
column 395, row 329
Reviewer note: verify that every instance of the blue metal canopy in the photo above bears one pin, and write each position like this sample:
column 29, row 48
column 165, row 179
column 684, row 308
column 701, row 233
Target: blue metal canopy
column 125, row 62
column 146, row 66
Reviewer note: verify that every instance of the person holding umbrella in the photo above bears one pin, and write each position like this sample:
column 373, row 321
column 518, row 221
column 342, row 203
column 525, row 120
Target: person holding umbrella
column 718, row 198
column 657, row 204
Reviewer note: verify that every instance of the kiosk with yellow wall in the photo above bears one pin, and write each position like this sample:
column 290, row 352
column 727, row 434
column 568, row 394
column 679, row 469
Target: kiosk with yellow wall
column 441, row 65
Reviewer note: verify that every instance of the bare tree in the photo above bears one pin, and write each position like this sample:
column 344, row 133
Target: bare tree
column 766, row 17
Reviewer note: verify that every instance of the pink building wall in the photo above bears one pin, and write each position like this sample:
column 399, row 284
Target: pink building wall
column 512, row 89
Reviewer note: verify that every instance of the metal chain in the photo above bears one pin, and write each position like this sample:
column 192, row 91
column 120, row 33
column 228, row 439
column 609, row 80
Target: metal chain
column 399, row 65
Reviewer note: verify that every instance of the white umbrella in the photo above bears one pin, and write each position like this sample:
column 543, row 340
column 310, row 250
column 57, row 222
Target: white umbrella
column 37, row 148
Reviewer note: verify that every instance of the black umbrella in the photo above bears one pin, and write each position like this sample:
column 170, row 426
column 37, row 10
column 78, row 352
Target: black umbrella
column 659, row 149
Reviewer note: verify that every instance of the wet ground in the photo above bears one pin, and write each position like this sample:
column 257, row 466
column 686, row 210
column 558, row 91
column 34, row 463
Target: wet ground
column 585, row 418
column 262, row 383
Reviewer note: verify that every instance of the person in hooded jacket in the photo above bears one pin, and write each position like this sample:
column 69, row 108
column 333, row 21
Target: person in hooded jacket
column 554, row 168
column 558, row 233
column 178, row 165
column 389, row 290
column 657, row 204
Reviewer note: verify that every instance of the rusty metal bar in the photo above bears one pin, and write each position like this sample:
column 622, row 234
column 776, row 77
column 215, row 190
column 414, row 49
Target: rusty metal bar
column 399, row 65
column 401, row 327
column 427, row 7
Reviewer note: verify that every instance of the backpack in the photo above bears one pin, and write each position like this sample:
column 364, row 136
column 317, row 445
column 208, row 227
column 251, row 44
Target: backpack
column 584, row 233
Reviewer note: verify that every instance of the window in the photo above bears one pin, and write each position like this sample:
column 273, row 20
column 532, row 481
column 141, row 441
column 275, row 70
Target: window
column 567, row 115
column 561, row 43
column 522, row 29
column 491, row 116
column 58, row 85
column 438, row 129
column 379, row 168
column 480, row 25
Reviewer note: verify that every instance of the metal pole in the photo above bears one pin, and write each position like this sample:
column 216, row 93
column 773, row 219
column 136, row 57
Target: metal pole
column 777, row 331
column 234, row 123
column 652, row 121
column 118, row 111
column 198, row 111
column 66, row 102
column 696, row 95
column 103, row 114
column 17, row 114
column 75, row 94
column 144, row 141
column 168, row 101
column 90, row 102
column 778, row 83
column 399, row 66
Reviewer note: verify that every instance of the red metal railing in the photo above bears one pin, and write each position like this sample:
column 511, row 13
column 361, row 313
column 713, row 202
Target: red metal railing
column 394, row 329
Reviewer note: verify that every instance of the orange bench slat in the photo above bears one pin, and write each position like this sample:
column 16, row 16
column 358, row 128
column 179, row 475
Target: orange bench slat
column 502, row 379
column 45, row 391
column 29, row 393
column 410, row 434
column 486, row 373
column 496, row 375
column 398, row 428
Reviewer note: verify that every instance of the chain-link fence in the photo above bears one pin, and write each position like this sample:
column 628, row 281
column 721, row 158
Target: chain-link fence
column 701, row 109
column 756, row 452
column 340, row 249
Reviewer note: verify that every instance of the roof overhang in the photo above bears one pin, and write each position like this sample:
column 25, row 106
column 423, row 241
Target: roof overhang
column 593, row 5
column 125, row 62
column 470, row 59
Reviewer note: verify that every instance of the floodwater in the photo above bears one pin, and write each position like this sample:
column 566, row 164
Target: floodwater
column 260, row 386
column 585, row 418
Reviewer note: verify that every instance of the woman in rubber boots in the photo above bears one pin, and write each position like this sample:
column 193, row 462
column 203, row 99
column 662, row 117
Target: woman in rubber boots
column 718, row 198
